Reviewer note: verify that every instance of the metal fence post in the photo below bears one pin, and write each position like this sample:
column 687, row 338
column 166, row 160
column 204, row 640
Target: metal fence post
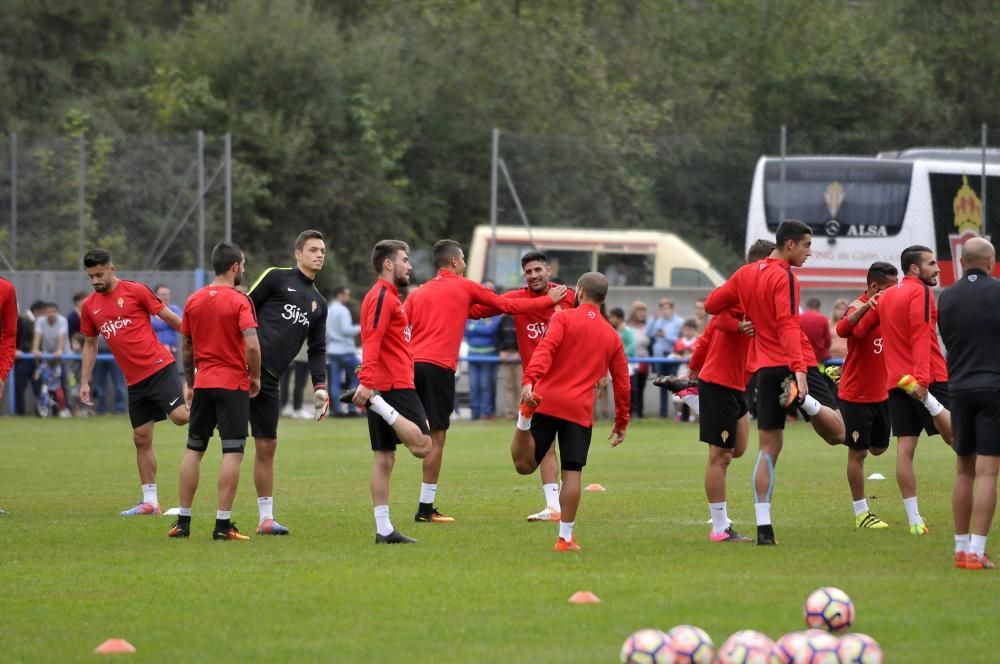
column 982, row 185
column 13, row 200
column 492, row 254
column 784, row 155
column 81, row 196
column 201, row 200
column 229, row 187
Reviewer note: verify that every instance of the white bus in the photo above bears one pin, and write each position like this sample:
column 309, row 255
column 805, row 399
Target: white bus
column 866, row 209
column 629, row 258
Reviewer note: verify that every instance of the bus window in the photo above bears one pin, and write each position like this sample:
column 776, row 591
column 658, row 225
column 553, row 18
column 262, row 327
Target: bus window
column 839, row 197
column 626, row 269
column 686, row 277
column 568, row 265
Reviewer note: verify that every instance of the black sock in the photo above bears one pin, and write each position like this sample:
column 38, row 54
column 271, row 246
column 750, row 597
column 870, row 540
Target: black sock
column 223, row 525
column 184, row 521
column 426, row 508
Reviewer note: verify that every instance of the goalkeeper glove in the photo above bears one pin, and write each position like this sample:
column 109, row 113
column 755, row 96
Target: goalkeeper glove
column 321, row 402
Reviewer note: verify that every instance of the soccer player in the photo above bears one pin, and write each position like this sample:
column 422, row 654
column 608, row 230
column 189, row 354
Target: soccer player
column 970, row 329
column 8, row 332
column 437, row 312
column 119, row 311
column 579, row 348
column 719, row 369
column 222, row 365
column 395, row 413
column 863, row 396
column 290, row 312
column 530, row 329
column 768, row 294
column 908, row 315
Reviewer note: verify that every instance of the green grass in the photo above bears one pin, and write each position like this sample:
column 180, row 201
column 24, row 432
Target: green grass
column 486, row 588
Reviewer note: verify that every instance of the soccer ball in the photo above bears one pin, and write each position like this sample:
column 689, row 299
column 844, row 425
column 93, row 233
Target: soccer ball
column 829, row 609
column 790, row 644
column 647, row 646
column 748, row 647
column 859, row 648
column 692, row 645
column 819, row 648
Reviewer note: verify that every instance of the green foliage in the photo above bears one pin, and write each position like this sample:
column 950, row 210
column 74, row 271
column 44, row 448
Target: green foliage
column 373, row 119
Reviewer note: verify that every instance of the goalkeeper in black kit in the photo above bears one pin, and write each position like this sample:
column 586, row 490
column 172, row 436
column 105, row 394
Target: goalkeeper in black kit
column 290, row 312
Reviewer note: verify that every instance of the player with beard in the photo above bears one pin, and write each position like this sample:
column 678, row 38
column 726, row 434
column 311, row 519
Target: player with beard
column 530, row 329
column 290, row 311
column 385, row 381
column 916, row 374
column 119, row 311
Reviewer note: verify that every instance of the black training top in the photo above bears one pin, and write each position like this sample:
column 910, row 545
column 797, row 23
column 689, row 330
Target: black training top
column 969, row 320
column 290, row 310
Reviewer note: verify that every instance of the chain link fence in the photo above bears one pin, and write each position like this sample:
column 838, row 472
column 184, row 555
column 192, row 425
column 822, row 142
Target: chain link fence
column 150, row 200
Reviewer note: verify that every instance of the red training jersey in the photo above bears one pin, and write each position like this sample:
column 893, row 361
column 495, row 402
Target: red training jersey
column 768, row 293
column 908, row 314
column 8, row 327
column 386, row 358
column 215, row 318
column 579, row 348
column 720, row 354
column 530, row 327
column 862, row 379
column 121, row 316
column 438, row 310
column 817, row 329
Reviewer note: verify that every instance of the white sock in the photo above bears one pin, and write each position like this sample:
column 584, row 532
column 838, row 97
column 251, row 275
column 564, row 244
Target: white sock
column 720, row 517
column 977, row 544
column 522, row 423
column 427, row 492
column 383, row 526
column 860, row 506
column 383, row 409
column 763, row 512
column 566, row 530
column 912, row 513
column 962, row 543
column 149, row 494
column 223, row 515
column 183, row 511
column 932, row 405
column 811, row 406
column 265, row 506
column 551, row 492
column 693, row 402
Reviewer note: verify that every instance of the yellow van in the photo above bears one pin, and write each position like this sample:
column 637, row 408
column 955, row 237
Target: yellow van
column 629, row 258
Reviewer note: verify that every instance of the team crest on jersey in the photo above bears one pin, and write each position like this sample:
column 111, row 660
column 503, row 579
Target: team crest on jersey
column 121, row 302
column 591, row 314
column 212, row 292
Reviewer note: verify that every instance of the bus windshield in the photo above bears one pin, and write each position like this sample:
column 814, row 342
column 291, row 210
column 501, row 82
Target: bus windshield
column 838, row 197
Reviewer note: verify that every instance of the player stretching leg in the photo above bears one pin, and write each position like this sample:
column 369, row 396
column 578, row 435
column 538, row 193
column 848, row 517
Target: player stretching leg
column 863, row 396
column 395, row 414
column 119, row 310
column 970, row 329
column 222, row 365
column 578, row 350
column 290, row 312
column 908, row 315
column 767, row 293
column 530, row 328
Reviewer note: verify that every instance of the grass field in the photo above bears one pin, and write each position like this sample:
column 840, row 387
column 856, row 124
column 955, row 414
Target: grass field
column 487, row 588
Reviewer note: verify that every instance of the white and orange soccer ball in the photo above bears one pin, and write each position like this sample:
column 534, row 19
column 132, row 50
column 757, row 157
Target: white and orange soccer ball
column 857, row 648
column 829, row 609
column 789, row 645
column 647, row 646
column 748, row 647
column 819, row 648
column 692, row 645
